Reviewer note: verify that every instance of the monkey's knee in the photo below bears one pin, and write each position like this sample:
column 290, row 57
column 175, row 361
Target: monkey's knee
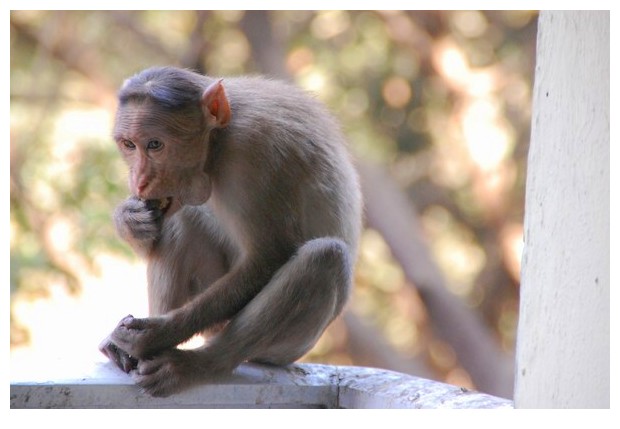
column 330, row 260
column 324, row 247
column 318, row 282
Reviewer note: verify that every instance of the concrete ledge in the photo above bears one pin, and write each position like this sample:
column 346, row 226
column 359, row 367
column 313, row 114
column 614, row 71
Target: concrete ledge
column 256, row 386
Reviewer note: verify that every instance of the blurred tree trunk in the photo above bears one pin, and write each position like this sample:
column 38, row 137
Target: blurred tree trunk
column 267, row 49
column 197, row 46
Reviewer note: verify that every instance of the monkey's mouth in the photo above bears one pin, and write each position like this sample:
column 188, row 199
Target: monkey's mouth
column 162, row 204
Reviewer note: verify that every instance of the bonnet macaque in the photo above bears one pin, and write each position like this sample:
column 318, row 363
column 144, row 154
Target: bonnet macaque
column 247, row 209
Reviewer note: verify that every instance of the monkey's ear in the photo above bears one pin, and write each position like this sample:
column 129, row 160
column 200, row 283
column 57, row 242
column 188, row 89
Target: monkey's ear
column 215, row 105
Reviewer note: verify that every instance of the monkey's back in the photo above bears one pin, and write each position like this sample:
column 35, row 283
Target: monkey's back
column 284, row 148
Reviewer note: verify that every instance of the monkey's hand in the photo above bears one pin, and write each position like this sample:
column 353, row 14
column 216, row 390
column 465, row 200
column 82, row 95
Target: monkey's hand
column 139, row 223
column 121, row 358
column 143, row 338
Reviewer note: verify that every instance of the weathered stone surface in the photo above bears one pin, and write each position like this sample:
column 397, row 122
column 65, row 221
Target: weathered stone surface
column 255, row 386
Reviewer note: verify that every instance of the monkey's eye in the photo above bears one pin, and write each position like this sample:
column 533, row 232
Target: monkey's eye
column 128, row 144
column 154, row 145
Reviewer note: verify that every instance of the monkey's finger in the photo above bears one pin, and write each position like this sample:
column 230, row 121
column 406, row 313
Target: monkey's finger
column 123, row 360
column 135, row 205
column 127, row 362
column 138, row 217
column 154, row 378
column 131, row 322
column 154, row 384
column 145, row 215
column 124, row 321
column 148, row 366
column 154, row 207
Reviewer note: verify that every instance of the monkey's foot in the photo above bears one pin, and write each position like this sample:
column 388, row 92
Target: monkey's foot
column 166, row 373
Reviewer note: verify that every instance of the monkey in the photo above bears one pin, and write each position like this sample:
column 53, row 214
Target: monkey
column 246, row 206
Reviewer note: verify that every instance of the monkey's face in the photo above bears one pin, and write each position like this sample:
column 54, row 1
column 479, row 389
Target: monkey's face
column 166, row 154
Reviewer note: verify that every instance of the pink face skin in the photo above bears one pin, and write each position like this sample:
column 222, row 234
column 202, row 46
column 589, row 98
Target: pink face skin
column 161, row 165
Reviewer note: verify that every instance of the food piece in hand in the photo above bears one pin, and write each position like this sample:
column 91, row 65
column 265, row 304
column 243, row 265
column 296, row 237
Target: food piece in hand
column 161, row 204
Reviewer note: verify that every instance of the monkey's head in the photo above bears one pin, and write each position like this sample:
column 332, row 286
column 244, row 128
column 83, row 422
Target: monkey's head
column 162, row 130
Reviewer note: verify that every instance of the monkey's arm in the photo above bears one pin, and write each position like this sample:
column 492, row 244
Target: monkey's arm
column 221, row 301
column 139, row 223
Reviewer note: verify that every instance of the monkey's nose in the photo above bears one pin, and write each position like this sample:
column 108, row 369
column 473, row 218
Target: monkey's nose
column 141, row 187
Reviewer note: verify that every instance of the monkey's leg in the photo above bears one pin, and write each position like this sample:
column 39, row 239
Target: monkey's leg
column 278, row 326
column 289, row 315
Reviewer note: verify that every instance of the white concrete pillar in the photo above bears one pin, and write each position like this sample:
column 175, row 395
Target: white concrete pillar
column 563, row 336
